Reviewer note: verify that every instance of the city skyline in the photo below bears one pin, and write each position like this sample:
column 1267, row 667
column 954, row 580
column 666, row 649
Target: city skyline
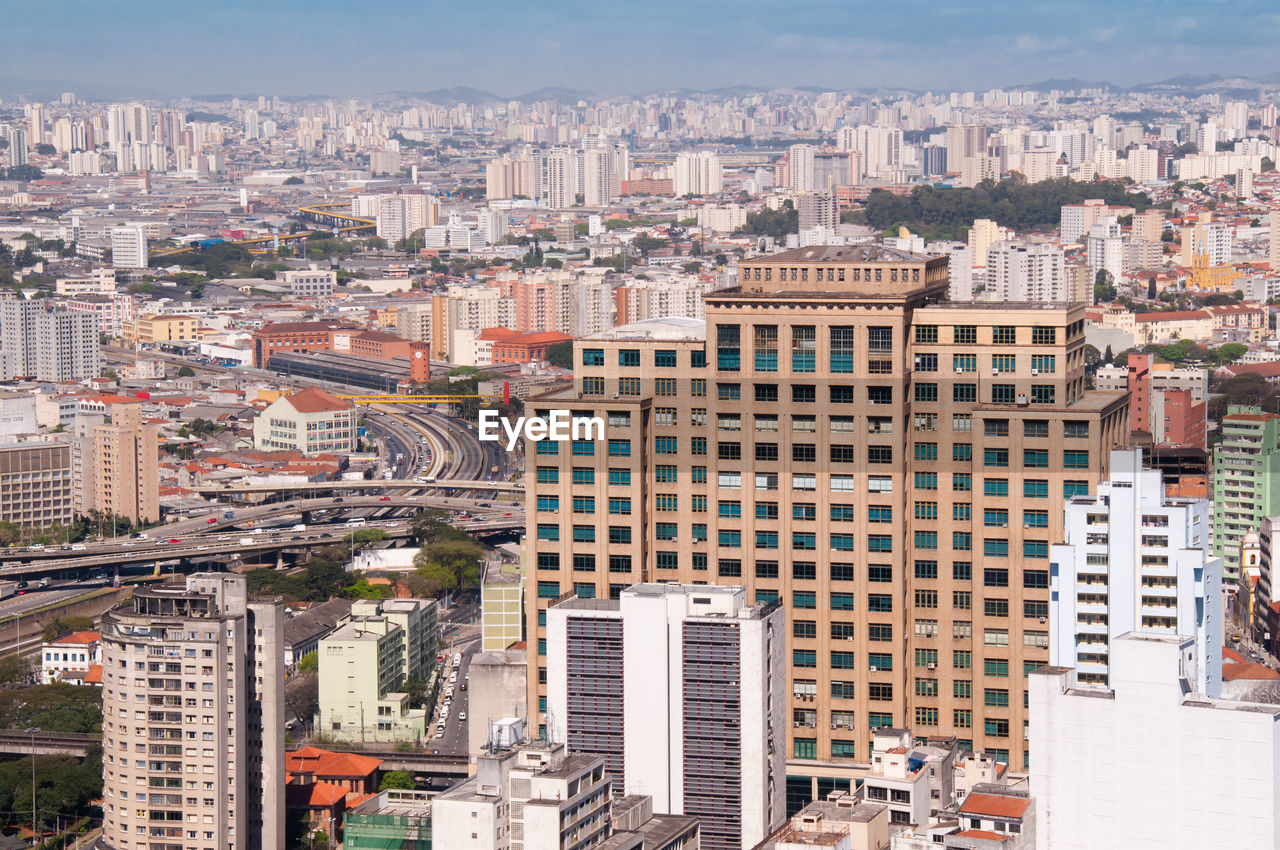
column 238, row 48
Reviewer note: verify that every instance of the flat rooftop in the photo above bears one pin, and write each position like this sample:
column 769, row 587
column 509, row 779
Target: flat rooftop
column 670, row 328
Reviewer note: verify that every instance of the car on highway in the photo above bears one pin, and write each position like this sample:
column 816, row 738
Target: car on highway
column 384, row 498
column 440, row 733
column 462, row 715
column 174, row 540
column 463, row 686
column 211, row 520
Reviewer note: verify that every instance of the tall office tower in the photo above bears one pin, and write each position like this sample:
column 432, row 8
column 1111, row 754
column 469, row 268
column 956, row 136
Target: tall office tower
column 681, row 689
column 251, row 125
column 123, row 465
column 194, row 677
column 1148, row 226
column 847, row 138
column 1207, row 136
column 1235, row 119
column 562, row 178
column 1246, row 481
column 1027, row 271
column 129, row 248
column 697, row 174
column 1106, row 248
column 597, row 171
column 933, row 160
column 18, row 153
column 801, row 162
column 1134, row 561
column 498, row 179
column 37, row 484
column 889, row 465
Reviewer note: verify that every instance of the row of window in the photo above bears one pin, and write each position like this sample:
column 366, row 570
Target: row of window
column 1000, row 334
column 1000, row 363
column 630, row 358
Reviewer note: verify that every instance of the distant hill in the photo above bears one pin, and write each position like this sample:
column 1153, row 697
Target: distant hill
column 50, row 89
column 1067, row 84
column 556, row 93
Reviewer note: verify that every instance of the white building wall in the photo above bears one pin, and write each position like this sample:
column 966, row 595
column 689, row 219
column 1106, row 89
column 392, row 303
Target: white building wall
column 1148, row 766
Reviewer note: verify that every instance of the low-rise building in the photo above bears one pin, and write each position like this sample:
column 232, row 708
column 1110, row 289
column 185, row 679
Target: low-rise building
column 898, row 778
column 995, row 817
column 310, row 283
column 311, row 421
column 840, row 822
column 399, row 819
column 302, row 633
column 72, row 659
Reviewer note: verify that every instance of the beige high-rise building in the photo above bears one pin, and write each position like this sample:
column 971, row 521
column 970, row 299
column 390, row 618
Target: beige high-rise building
column 982, row 235
column 36, row 484
column 193, row 718
column 1274, row 254
column 891, row 466
column 1148, row 225
column 123, row 464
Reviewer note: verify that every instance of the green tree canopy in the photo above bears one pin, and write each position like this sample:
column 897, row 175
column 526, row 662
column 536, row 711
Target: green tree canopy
column 396, row 780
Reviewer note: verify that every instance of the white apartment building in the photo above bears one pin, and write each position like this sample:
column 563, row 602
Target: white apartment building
column 101, row 281
column 1134, row 561
column 801, row 162
column 311, row 283
column 721, row 219
column 49, row 345
column 697, row 173
column 193, row 676
column 680, row 688
column 1027, row 271
column 899, row 780
column 129, row 247
column 1209, row 768
column 413, row 321
column 562, row 178
column 1106, row 248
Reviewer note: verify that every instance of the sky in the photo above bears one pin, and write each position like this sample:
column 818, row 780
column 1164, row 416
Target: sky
column 360, row 47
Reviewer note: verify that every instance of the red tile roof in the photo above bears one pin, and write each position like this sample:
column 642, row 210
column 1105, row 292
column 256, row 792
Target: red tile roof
column 315, row 400
column 80, row 637
column 94, row 675
column 985, row 834
column 318, row 762
column 994, row 806
column 1172, row 316
column 1232, row 655
column 1249, row 671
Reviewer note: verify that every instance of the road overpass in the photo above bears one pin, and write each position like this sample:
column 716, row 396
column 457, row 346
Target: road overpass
column 232, row 489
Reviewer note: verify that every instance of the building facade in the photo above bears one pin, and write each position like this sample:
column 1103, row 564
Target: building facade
column 890, row 466
column 36, row 484
column 202, row 664
column 680, row 689
column 1134, row 561
column 311, row 421
column 1246, row 481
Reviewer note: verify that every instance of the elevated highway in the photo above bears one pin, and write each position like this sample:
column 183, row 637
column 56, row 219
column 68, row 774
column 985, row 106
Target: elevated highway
column 353, row 486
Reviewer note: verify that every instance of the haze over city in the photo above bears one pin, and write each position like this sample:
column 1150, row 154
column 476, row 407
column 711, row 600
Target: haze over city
column 327, row 47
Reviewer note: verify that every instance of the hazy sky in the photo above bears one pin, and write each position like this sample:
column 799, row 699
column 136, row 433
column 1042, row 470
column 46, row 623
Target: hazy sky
column 368, row 46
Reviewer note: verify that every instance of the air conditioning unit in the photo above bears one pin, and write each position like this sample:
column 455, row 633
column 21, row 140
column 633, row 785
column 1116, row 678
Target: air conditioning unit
column 616, row 395
column 1022, row 399
column 932, row 666
column 849, row 638
column 959, row 371
column 995, row 371
column 1044, row 619
column 1035, row 371
column 873, row 668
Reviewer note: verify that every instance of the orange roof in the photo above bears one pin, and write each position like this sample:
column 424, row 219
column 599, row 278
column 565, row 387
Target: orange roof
column 994, row 806
column 94, row 675
column 984, row 834
column 314, row 400
column 1172, row 316
column 1231, row 655
column 1234, row 672
column 318, row 762
column 80, row 637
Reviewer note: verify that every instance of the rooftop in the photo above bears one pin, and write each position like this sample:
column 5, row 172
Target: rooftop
column 995, row 806
column 315, row 400
column 670, row 328
column 79, row 637
column 843, row 254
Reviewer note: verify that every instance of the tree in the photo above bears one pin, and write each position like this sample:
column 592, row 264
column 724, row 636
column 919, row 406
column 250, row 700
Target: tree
column 45, row 149
column 15, row 668
column 309, row 663
column 692, row 267
column 449, row 565
column 776, row 223
column 561, row 355
column 396, row 780
column 1151, row 289
column 186, row 372
column 1107, row 356
column 302, row 695
column 294, row 181
column 60, row 626
column 1104, row 288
